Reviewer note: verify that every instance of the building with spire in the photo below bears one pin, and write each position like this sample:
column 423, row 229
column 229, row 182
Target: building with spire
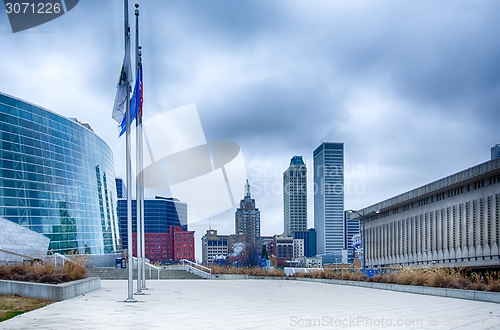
column 247, row 219
column 295, row 196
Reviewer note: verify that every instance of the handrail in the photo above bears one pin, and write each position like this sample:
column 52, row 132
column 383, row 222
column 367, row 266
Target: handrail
column 193, row 267
column 63, row 257
column 196, row 265
column 17, row 254
column 150, row 267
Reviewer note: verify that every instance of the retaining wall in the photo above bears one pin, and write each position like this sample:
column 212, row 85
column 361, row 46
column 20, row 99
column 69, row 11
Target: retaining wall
column 56, row 292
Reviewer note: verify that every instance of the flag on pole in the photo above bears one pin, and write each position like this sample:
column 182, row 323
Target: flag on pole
column 121, row 88
column 135, row 101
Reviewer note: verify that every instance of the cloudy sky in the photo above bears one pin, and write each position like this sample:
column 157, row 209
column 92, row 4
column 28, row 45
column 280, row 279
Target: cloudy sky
column 412, row 88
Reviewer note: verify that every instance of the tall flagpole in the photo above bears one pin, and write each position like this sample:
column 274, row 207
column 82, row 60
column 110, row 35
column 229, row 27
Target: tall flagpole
column 138, row 183
column 129, row 173
column 141, row 174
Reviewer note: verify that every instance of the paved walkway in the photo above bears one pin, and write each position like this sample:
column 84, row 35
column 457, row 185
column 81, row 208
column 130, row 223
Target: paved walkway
column 257, row 304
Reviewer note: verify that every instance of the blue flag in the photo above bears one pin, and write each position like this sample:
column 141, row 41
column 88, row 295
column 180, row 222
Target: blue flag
column 135, row 102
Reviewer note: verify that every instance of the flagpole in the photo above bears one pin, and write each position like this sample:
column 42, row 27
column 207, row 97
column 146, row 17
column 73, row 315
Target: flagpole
column 141, row 174
column 138, row 183
column 129, row 172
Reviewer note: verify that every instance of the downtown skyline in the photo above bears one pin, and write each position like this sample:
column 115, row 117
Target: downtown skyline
column 411, row 89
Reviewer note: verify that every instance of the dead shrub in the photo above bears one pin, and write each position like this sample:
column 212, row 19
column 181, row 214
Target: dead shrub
column 46, row 272
column 253, row 271
column 315, row 274
column 345, row 275
column 391, row 276
column 419, row 279
column 379, row 278
column 435, row 279
column 494, row 286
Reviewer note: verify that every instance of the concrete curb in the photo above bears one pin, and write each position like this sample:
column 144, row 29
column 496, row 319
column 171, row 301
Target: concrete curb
column 232, row 277
column 427, row 290
column 56, row 292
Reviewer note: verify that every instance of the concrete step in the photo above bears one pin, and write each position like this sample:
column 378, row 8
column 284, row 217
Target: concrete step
column 110, row 273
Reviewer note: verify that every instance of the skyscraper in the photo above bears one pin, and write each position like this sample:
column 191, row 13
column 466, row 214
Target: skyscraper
column 295, row 196
column 247, row 219
column 328, row 163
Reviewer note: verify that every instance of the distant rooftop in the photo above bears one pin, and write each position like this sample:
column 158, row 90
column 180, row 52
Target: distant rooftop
column 168, row 198
column 296, row 160
column 86, row 125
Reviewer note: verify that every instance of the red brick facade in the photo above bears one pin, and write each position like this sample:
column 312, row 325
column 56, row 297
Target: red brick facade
column 172, row 246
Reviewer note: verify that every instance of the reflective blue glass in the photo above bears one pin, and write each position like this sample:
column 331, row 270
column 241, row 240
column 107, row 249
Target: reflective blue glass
column 57, row 178
column 159, row 215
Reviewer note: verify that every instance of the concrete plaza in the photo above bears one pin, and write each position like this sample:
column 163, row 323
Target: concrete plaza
column 257, row 304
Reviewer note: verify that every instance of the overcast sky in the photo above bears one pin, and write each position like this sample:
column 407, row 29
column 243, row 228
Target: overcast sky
column 412, row 88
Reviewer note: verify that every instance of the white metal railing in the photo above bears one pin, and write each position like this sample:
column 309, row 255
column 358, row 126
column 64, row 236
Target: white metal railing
column 63, row 258
column 150, row 267
column 196, row 269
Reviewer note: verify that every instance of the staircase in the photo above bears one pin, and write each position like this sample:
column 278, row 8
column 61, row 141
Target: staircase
column 111, row 273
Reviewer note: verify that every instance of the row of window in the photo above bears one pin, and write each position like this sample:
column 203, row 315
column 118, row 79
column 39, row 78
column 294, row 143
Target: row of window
column 440, row 196
column 465, row 225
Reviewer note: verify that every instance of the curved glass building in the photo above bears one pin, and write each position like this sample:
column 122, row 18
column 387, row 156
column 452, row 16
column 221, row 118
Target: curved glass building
column 57, row 179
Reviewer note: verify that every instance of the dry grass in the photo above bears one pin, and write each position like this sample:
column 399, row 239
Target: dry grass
column 11, row 306
column 254, row 271
column 492, row 281
column 455, row 278
column 46, row 272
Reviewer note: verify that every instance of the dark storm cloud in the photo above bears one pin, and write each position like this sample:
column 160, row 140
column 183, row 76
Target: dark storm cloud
column 282, row 77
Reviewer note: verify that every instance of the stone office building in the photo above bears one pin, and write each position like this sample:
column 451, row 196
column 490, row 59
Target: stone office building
column 450, row 222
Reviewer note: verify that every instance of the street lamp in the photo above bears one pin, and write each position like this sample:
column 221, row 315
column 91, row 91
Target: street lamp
column 362, row 219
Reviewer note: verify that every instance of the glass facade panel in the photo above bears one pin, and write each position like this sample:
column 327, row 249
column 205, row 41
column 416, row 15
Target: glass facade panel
column 159, row 215
column 54, row 176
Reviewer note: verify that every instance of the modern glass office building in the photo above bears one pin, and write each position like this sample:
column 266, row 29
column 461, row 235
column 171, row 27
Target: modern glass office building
column 162, row 215
column 328, row 163
column 57, row 178
column 159, row 214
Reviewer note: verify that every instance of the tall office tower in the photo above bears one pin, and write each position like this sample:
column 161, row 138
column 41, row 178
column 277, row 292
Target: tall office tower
column 295, row 196
column 495, row 152
column 328, row 164
column 247, row 219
